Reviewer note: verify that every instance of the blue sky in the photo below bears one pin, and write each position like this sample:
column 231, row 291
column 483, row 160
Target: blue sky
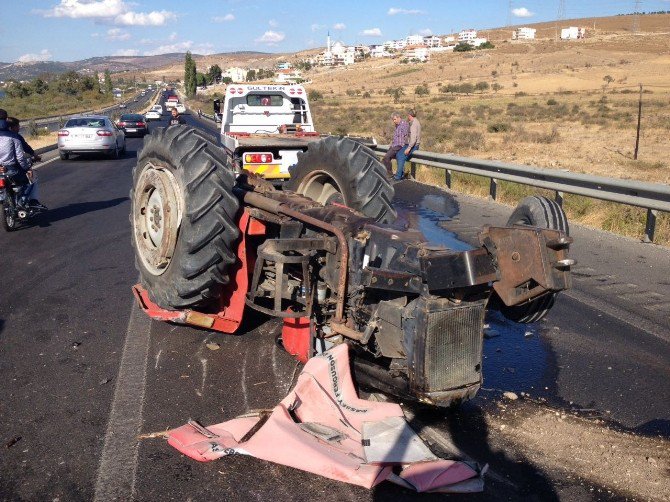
column 67, row 30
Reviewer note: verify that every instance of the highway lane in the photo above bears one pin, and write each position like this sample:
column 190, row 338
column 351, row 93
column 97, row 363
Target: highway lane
column 64, row 323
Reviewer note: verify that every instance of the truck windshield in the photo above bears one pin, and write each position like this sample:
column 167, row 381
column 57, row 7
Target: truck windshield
column 264, row 100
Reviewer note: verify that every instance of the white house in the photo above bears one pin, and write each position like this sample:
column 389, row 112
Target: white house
column 467, row 35
column 379, row 51
column 414, row 40
column 389, row 44
column 573, row 33
column 419, row 52
column 236, row 74
column 448, row 40
column 524, row 34
column 432, row 41
column 284, row 65
column 399, row 44
column 288, row 76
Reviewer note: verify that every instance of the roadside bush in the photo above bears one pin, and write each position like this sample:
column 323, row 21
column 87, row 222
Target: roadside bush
column 366, row 95
column 520, row 94
column 422, row 90
column 552, row 102
column 314, row 95
column 462, row 122
column 497, row 127
column 469, row 140
column 33, row 129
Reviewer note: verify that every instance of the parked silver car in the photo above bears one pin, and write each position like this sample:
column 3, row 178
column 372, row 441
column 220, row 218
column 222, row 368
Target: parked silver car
column 91, row 134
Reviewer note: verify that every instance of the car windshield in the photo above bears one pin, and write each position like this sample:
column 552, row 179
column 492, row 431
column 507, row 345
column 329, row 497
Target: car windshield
column 264, row 100
column 131, row 118
column 85, row 122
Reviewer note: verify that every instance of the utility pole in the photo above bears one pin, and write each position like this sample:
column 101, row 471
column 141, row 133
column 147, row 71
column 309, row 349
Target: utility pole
column 560, row 16
column 636, row 16
column 639, row 120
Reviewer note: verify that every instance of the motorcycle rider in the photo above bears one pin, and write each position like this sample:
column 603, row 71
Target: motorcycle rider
column 12, row 158
column 14, row 126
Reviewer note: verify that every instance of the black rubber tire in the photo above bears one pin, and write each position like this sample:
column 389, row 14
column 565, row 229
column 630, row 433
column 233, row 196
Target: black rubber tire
column 63, row 155
column 541, row 212
column 204, row 248
column 8, row 225
column 360, row 177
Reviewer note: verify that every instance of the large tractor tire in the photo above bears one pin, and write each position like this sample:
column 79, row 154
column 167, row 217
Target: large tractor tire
column 340, row 170
column 544, row 213
column 183, row 217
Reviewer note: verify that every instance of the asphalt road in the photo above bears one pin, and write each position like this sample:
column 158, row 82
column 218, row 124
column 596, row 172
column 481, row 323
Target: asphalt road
column 84, row 372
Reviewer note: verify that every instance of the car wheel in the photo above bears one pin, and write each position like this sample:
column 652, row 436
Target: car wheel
column 63, row 155
column 115, row 153
column 123, row 149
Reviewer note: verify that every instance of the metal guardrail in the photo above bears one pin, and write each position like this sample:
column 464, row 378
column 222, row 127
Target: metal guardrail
column 653, row 197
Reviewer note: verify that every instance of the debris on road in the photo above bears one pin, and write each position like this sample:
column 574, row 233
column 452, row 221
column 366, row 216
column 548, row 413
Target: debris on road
column 510, row 395
column 323, row 427
column 13, row 441
column 105, row 381
column 213, row 346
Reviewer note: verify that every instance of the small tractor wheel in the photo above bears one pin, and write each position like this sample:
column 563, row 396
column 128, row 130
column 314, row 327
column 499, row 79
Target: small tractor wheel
column 536, row 212
column 343, row 171
column 183, row 217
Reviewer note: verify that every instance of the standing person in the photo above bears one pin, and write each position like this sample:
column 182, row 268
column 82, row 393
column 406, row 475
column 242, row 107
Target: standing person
column 399, row 139
column 14, row 125
column 411, row 146
column 176, row 119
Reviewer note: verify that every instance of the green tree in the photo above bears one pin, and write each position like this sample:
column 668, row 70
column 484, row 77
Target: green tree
column 109, row 87
column 496, row 87
column 482, row 86
column 251, row 75
column 96, row 82
column 463, row 47
column 214, row 73
column 466, row 88
column 190, row 75
column 200, row 79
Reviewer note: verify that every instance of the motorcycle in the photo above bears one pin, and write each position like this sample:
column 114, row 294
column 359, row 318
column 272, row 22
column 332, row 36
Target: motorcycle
column 14, row 200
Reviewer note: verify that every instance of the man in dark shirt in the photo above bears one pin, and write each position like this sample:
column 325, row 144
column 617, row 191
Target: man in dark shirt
column 176, row 119
column 14, row 126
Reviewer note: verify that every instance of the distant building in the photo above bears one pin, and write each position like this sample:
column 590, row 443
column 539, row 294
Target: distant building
column 448, row 40
column 432, row 41
column 524, row 34
column 414, row 40
column 288, row 76
column 379, row 51
column 419, row 52
column 284, row 65
column 399, row 44
column 573, row 33
column 467, row 35
column 236, row 74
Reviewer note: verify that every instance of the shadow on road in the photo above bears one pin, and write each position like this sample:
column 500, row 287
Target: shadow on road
column 77, row 209
column 2, row 325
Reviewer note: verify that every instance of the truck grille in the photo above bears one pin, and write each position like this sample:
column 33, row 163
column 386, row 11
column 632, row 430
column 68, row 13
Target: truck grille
column 453, row 347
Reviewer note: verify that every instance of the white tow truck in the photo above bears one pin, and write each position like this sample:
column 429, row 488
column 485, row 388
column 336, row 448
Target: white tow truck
column 263, row 127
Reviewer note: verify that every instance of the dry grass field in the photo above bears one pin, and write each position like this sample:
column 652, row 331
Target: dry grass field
column 568, row 105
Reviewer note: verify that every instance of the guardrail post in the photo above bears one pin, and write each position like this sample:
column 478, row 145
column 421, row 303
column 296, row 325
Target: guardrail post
column 493, row 188
column 559, row 198
column 412, row 169
column 447, row 177
column 650, row 227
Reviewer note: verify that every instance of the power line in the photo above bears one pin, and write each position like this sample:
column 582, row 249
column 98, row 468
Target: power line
column 636, row 16
column 560, row 15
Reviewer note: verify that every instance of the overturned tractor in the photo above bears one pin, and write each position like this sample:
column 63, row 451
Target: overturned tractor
column 212, row 243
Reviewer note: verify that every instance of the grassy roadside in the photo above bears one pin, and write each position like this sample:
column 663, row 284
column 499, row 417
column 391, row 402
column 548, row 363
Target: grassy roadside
column 38, row 106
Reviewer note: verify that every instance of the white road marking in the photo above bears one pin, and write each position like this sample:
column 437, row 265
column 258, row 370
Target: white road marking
column 118, row 463
column 244, row 382
column 203, row 362
column 158, row 358
column 42, row 164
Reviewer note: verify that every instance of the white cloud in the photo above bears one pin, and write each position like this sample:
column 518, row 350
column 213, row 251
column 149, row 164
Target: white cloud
column 273, row 23
column 522, row 12
column 127, row 52
column 271, row 37
column 317, row 27
column 95, row 35
column 155, row 18
column 426, row 32
column 224, row 19
column 118, row 35
column 44, row 55
column 372, row 32
column 188, row 45
column 113, row 11
column 173, row 36
column 339, row 26
column 396, row 10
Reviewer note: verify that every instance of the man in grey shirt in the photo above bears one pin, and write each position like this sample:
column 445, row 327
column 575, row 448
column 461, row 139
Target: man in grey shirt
column 412, row 145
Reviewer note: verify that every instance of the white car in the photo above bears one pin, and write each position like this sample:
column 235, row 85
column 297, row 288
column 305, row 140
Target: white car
column 152, row 115
column 180, row 108
column 90, row 134
column 157, row 108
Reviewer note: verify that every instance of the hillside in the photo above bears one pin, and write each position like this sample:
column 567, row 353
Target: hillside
column 115, row 64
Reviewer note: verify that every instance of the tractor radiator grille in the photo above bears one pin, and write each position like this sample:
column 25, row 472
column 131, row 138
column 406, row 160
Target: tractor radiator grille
column 453, row 347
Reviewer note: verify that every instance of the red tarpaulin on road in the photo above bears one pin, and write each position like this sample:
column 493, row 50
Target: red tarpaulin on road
column 323, row 427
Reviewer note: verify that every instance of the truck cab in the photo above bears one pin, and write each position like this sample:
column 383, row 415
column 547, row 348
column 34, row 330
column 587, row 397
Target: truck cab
column 263, row 127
